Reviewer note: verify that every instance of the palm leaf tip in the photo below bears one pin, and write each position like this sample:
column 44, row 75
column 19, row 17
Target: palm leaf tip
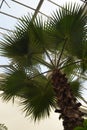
column 19, row 42
column 76, row 88
column 12, row 84
column 70, row 24
column 36, row 93
column 40, row 103
column 39, row 110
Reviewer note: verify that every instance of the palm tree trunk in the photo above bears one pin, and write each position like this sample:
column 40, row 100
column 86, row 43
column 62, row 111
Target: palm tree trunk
column 69, row 108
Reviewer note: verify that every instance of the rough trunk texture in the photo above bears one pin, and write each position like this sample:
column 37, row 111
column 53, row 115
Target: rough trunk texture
column 69, row 108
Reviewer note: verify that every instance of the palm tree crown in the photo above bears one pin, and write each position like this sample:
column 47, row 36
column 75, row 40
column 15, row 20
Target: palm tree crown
column 59, row 43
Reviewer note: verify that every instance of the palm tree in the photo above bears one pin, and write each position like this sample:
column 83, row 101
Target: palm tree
column 49, row 62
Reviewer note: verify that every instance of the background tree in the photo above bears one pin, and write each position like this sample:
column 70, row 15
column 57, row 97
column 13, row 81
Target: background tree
column 3, row 127
column 59, row 46
column 84, row 126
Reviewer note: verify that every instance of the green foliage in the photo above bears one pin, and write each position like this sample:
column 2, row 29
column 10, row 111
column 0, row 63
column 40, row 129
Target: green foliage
column 69, row 25
column 84, row 126
column 36, row 92
column 12, row 84
column 39, row 101
column 2, row 126
column 76, row 88
column 27, row 44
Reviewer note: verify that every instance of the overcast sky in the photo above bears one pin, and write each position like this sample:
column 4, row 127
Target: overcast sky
column 11, row 115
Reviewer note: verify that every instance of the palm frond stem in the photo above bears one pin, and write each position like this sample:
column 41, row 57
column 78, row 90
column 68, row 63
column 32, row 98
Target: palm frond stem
column 40, row 74
column 5, row 66
column 43, row 62
column 55, row 57
column 72, row 63
column 81, row 76
column 61, row 52
column 49, row 57
column 63, row 61
column 83, row 99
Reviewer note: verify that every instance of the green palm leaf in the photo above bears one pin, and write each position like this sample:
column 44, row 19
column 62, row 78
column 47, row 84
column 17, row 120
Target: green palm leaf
column 36, row 92
column 12, row 84
column 39, row 101
column 84, row 126
column 70, row 24
column 76, row 88
column 25, row 44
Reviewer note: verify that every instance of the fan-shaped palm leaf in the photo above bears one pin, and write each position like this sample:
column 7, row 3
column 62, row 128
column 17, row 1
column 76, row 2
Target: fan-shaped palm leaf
column 69, row 25
column 27, row 43
column 36, row 92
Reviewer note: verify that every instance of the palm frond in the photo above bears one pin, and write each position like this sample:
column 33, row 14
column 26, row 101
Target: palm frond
column 76, row 87
column 12, row 83
column 25, row 43
column 35, row 92
column 70, row 25
column 39, row 99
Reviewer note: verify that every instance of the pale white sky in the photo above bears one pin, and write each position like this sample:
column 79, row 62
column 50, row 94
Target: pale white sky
column 14, row 119
column 11, row 115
